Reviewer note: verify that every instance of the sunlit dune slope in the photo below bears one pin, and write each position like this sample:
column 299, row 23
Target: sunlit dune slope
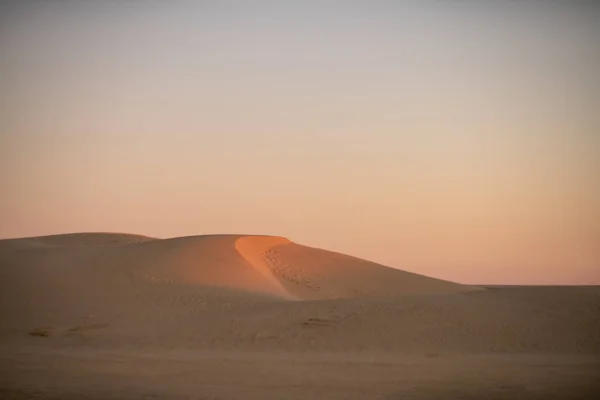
column 309, row 273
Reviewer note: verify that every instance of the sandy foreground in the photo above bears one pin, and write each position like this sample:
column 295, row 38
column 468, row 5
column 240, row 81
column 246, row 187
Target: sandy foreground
column 115, row 316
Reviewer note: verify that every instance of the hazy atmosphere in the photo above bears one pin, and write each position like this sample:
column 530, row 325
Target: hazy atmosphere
column 325, row 200
column 460, row 143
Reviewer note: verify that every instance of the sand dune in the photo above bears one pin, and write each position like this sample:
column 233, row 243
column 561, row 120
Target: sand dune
column 264, row 265
column 73, row 239
column 262, row 292
column 89, row 295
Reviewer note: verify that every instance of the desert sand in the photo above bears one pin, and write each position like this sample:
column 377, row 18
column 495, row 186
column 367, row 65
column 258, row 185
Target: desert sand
column 117, row 316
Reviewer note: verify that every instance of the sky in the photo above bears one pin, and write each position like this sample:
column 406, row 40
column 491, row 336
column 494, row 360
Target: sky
column 459, row 140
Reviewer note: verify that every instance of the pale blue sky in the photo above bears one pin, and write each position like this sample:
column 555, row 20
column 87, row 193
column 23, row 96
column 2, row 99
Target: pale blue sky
column 457, row 141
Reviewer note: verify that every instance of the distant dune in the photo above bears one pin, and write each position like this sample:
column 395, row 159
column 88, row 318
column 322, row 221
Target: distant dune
column 121, row 293
column 73, row 239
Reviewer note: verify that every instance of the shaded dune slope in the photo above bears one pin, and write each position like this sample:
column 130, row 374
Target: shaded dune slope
column 73, row 239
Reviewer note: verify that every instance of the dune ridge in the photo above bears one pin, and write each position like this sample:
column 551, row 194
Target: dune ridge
column 254, row 248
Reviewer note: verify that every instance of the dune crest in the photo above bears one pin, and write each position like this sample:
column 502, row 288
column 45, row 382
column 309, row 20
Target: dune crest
column 254, row 250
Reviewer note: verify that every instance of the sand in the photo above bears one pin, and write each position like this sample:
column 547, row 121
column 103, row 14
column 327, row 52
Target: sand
column 101, row 316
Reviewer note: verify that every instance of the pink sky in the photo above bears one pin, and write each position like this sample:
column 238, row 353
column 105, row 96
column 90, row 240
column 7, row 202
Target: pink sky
column 458, row 143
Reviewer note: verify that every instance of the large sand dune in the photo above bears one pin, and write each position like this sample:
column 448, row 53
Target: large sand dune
column 266, row 265
column 110, row 301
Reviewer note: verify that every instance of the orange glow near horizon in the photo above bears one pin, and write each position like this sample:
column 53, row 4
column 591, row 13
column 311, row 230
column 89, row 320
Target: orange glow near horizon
column 455, row 142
